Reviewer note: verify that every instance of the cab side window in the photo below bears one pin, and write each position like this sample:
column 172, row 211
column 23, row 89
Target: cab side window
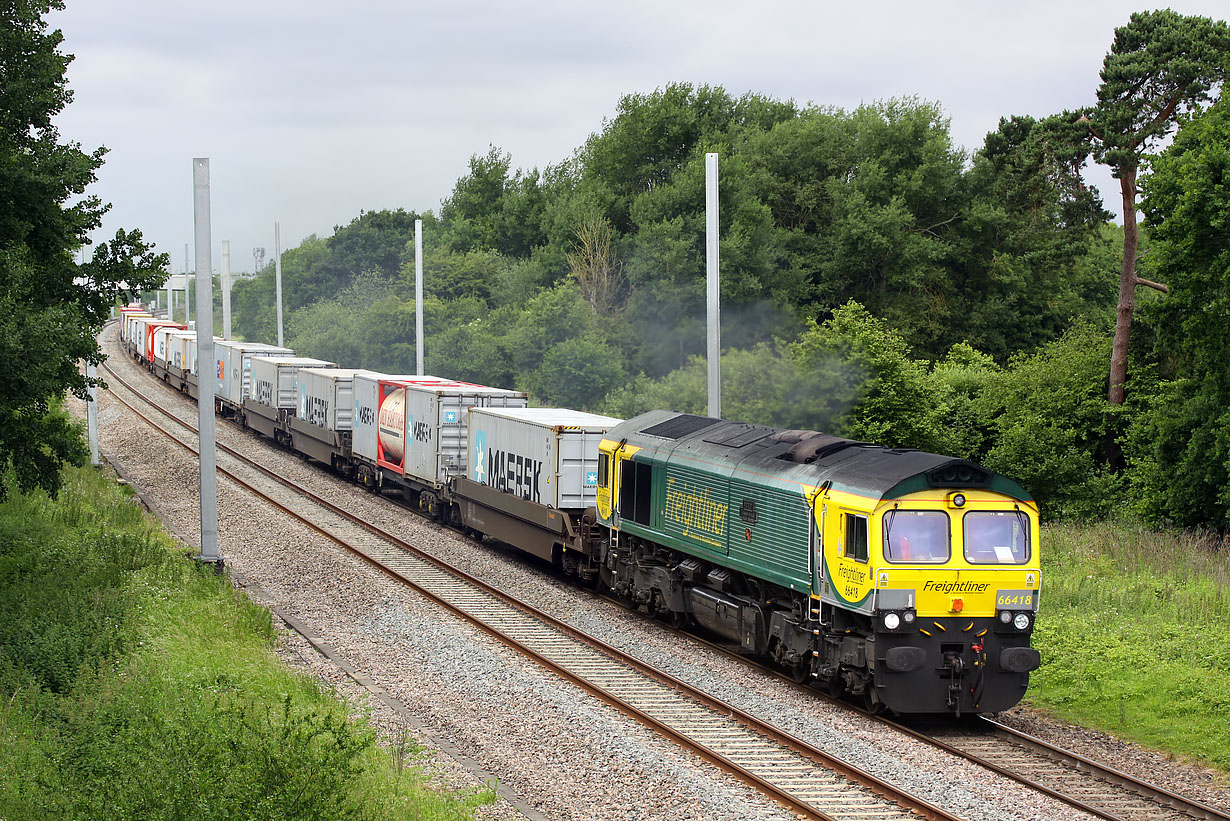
column 603, row 467
column 856, row 537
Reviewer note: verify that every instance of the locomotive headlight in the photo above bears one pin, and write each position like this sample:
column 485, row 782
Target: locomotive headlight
column 892, row 621
column 1020, row 621
column 1005, row 616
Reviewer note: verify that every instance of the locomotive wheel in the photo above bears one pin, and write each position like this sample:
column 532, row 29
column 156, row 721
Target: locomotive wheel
column 800, row 672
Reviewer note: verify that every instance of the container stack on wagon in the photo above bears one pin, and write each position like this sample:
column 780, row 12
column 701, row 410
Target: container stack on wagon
column 322, row 426
column 273, row 397
column 533, row 475
column 233, row 372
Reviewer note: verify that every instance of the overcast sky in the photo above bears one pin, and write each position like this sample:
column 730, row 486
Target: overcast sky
column 313, row 110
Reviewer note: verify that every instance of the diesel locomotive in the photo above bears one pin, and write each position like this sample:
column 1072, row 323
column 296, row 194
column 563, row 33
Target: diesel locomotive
column 906, row 578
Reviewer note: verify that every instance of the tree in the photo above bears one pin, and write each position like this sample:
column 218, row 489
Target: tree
column 51, row 309
column 598, row 273
column 1181, row 448
column 1161, row 66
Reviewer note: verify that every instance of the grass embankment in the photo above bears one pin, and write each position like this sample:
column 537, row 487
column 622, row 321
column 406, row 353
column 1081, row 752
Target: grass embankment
column 136, row 684
column 1135, row 637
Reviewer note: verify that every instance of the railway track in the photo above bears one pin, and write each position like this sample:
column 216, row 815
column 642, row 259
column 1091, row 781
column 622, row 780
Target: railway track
column 801, row 777
column 704, row 725
column 1080, row 782
column 1085, row 784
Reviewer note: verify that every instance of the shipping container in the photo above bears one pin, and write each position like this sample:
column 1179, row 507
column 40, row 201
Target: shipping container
column 273, row 379
column 149, row 329
column 233, row 367
column 163, row 351
column 367, row 404
column 326, row 397
column 133, row 325
column 126, row 323
column 176, row 342
column 432, row 445
column 543, row 455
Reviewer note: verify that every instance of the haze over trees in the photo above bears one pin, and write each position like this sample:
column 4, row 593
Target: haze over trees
column 51, row 307
column 877, row 280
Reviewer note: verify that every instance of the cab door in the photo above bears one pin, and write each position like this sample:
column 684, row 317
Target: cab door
column 848, row 581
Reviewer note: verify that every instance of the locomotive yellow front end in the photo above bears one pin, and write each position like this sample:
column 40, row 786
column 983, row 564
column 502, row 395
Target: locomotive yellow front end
column 954, row 577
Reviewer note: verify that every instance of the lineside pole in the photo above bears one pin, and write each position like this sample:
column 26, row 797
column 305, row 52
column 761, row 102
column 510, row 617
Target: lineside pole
column 205, row 356
column 713, row 293
column 226, row 289
column 187, row 290
column 418, row 296
column 277, row 270
column 91, row 413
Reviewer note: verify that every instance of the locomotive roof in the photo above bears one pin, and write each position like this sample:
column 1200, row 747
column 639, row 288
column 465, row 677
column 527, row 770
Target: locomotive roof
column 808, row 457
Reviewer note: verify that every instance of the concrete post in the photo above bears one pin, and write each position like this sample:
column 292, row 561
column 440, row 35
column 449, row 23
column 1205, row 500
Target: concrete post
column 713, row 292
column 226, row 289
column 277, row 270
column 91, row 413
column 205, row 358
column 418, row 296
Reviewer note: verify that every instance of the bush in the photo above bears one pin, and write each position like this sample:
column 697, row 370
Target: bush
column 1051, row 425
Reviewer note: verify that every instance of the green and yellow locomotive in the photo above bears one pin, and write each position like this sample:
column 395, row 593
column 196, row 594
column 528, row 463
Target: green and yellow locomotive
column 907, row 578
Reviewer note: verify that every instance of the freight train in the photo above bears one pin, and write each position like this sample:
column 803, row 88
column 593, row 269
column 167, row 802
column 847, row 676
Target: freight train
column 906, row 579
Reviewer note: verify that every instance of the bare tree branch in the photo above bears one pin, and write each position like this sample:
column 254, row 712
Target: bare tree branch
column 1157, row 286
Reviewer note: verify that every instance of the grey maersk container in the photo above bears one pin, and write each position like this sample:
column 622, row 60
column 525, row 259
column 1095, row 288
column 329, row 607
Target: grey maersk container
column 365, row 433
column 326, row 397
column 435, row 429
column 543, row 455
column 273, row 379
column 233, row 367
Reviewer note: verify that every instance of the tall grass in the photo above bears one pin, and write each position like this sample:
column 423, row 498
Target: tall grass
column 1134, row 631
column 135, row 684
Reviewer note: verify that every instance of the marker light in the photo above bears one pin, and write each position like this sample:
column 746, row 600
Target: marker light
column 1020, row 621
column 908, row 617
column 892, row 621
column 1005, row 616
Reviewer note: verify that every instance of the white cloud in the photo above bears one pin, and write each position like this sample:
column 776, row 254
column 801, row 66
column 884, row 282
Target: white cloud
column 311, row 111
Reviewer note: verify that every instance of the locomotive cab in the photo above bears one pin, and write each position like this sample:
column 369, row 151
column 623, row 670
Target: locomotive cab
column 948, row 585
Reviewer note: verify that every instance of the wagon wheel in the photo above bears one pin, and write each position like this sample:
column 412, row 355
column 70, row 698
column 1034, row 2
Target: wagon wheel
column 800, row 671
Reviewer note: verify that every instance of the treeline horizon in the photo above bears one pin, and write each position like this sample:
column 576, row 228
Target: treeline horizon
column 877, row 282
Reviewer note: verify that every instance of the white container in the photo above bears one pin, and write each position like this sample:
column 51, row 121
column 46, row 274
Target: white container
column 326, row 397
column 273, row 379
column 368, row 399
column 128, row 318
column 544, row 455
column 163, row 350
column 233, row 366
column 435, row 427
column 148, row 329
column 175, row 348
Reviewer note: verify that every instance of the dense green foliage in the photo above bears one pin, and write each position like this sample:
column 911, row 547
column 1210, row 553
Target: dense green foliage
column 135, row 684
column 1183, row 442
column 48, row 303
column 1132, row 635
